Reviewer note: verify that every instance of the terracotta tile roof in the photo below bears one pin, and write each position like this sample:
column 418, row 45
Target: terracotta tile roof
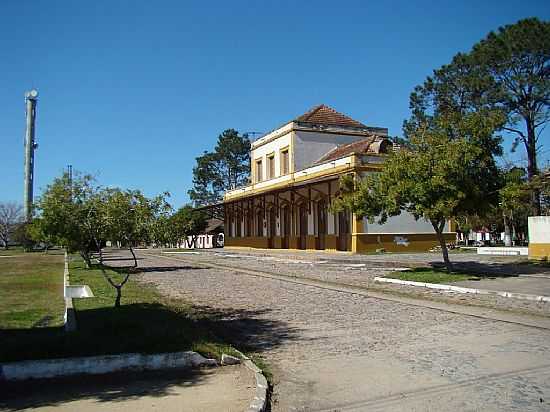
column 325, row 115
column 213, row 224
column 373, row 144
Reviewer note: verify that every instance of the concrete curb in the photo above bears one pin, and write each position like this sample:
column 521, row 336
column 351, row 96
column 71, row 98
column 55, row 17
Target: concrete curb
column 97, row 365
column 259, row 402
column 69, row 316
column 460, row 289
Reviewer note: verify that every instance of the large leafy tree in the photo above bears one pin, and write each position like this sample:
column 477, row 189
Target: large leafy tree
column 444, row 173
column 508, row 71
column 227, row 167
column 81, row 216
column 188, row 221
column 517, row 60
column 64, row 209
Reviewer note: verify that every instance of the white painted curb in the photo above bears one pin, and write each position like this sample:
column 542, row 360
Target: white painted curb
column 460, row 289
column 96, row 365
column 259, row 402
column 69, row 317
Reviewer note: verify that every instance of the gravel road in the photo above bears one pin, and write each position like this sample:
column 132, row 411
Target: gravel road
column 345, row 352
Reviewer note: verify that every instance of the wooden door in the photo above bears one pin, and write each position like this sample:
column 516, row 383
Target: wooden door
column 321, row 224
column 343, row 230
column 271, row 228
column 303, row 216
column 285, row 227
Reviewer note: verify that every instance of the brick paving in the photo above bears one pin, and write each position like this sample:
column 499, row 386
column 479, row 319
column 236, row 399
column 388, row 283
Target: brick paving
column 339, row 351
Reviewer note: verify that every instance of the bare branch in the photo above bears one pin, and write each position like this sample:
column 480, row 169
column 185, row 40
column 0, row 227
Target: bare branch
column 522, row 135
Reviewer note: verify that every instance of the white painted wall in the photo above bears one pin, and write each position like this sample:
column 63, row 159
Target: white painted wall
column 273, row 146
column 539, row 229
column 203, row 242
column 404, row 223
column 310, row 146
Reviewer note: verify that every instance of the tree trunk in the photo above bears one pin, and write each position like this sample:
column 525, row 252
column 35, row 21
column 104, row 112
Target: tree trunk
column 507, row 235
column 134, row 256
column 118, row 296
column 438, row 227
column 98, row 246
column 87, row 259
column 532, row 168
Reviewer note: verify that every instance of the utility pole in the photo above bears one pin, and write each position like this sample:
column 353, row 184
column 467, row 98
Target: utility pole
column 30, row 146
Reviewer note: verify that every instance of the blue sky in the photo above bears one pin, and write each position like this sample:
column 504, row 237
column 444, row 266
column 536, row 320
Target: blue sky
column 133, row 91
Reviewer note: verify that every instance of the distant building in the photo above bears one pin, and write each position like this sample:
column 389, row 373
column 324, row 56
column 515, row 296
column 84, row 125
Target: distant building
column 295, row 171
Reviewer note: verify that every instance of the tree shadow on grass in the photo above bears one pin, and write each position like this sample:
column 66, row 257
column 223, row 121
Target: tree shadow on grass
column 138, row 328
column 495, row 269
column 117, row 259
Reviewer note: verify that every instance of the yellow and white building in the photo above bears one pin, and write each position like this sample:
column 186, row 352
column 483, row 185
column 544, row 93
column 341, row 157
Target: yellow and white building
column 295, row 172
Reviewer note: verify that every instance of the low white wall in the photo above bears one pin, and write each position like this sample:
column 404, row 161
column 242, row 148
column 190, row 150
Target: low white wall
column 203, row 242
column 539, row 229
column 539, row 237
column 50, row 368
column 503, row 251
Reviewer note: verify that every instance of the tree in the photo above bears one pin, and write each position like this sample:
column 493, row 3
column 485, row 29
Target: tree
column 129, row 218
column 161, row 232
column 514, row 196
column 186, row 222
column 227, row 167
column 64, row 209
column 25, row 236
column 542, row 184
column 510, row 71
column 438, row 177
column 10, row 217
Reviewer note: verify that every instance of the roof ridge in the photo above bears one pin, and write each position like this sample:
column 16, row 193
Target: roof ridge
column 330, row 117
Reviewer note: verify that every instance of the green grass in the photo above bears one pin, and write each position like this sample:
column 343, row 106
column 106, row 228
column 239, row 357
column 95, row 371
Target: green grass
column 263, row 365
column 31, row 290
column 12, row 250
column 428, row 275
column 145, row 323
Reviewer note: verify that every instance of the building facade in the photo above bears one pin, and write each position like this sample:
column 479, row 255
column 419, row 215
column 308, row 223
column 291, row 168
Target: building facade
column 295, row 172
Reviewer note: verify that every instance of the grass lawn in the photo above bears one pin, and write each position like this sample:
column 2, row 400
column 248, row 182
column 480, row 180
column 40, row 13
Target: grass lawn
column 13, row 250
column 428, row 275
column 145, row 323
column 31, row 289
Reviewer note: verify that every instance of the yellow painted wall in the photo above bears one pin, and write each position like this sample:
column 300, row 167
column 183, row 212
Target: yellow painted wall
column 330, row 242
column 293, row 242
column 364, row 243
column 539, row 251
column 418, row 242
column 253, row 241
